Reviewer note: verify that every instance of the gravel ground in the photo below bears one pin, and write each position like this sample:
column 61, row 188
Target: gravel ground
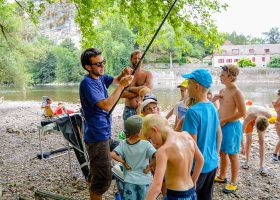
column 21, row 173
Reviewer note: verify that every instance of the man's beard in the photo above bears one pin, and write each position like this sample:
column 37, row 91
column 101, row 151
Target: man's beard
column 96, row 73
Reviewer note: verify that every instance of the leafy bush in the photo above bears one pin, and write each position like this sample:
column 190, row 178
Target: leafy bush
column 274, row 62
column 246, row 62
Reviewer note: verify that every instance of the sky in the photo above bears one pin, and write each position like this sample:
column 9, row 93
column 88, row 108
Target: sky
column 249, row 17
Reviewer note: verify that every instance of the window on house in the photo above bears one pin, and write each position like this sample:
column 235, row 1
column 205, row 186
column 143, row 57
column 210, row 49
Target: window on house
column 229, row 60
column 263, row 59
column 221, row 61
column 266, row 50
column 251, row 51
column 235, row 60
column 253, row 59
column 235, row 51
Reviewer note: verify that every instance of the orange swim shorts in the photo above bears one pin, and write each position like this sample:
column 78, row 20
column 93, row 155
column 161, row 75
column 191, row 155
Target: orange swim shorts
column 250, row 127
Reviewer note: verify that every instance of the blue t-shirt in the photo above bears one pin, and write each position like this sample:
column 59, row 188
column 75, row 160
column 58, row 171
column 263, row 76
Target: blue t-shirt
column 202, row 120
column 97, row 121
column 137, row 157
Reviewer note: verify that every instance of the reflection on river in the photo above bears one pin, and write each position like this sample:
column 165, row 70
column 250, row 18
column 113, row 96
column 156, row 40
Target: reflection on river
column 168, row 94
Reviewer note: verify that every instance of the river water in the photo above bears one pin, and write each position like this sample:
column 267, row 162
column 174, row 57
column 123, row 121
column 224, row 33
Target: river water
column 167, row 92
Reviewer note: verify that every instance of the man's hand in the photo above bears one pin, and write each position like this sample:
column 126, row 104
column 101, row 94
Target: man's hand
column 125, row 81
column 126, row 71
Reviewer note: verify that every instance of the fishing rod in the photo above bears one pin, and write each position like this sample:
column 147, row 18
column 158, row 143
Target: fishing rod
column 143, row 55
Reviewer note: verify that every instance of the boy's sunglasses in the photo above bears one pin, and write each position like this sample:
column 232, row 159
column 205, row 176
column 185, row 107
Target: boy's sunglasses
column 229, row 71
column 99, row 64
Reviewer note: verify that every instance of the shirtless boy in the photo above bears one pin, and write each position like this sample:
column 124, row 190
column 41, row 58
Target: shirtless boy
column 255, row 116
column 142, row 79
column 173, row 148
column 232, row 108
column 276, row 105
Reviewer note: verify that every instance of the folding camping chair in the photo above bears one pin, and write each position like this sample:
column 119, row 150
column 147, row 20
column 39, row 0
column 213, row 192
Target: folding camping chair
column 48, row 124
column 72, row 128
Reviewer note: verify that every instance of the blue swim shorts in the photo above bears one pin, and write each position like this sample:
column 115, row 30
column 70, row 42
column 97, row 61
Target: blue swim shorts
column 189, row 194
column 128, row 112
column 232, row 135
column 133, row 191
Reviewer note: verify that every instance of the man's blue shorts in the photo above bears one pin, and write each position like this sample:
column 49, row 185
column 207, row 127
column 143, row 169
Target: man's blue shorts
column 128, row 112
column 232, row 135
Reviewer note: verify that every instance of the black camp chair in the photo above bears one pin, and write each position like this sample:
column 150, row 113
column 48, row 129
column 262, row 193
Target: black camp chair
column 72, row 127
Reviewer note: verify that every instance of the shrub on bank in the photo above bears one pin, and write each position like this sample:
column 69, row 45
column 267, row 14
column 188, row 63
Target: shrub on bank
column 274, row 62
column 246, row 62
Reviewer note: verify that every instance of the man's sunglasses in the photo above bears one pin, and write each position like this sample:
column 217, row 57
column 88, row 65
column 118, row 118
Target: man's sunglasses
column 229, row 71
column 99, row 64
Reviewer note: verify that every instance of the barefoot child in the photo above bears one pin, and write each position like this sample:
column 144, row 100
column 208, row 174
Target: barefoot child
column 255, row 116
column 276, row 105
column 134, row 154
column 202, row 122
column 174, row 159
column 232, row 108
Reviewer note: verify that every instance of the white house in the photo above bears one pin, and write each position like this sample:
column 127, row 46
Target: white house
column 260, row 54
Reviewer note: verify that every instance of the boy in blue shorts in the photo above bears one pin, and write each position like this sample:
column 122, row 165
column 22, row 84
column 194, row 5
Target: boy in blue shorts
column 232, row 108
column 134, row 154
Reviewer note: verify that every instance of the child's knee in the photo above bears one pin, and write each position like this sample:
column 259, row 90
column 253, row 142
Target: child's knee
column 233, row 157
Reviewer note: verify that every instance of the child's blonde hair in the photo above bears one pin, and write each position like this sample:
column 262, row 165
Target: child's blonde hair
column 153, row 120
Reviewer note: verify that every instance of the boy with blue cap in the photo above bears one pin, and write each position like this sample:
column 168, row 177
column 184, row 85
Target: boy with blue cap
column 202, row 122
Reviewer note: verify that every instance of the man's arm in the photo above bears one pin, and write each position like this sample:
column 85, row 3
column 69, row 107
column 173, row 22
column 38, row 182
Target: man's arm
column 161, row 164
column 241, row 109
column 199, row 161
column 108, row 103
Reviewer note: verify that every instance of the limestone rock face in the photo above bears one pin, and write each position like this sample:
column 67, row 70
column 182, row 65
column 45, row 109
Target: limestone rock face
column 58, row 23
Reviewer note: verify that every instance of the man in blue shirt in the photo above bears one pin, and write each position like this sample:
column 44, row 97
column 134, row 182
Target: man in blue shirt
column 202, row 122
column 96, row 104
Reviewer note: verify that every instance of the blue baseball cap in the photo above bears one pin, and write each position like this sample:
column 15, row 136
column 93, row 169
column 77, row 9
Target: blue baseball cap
column 202, row 76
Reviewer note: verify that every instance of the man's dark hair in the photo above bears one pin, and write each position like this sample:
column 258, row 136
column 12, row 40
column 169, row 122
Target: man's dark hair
column 87, row 54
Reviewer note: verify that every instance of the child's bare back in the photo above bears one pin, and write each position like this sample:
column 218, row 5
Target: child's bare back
column 174, row 157
column 179, row 151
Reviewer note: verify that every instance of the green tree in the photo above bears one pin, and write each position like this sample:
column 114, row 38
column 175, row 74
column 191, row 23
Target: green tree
column 241, row 39
column 273, row 36
column 43, row 70
column 246, row 62
column 68, row 64
column 15, row 49
column 192, row 17
column 274, row 62
column 116, row 42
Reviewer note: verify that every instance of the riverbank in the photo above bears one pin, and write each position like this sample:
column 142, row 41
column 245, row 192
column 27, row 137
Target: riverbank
column 21, row 173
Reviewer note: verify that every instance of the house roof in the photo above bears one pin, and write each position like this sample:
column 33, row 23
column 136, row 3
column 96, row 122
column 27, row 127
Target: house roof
column 254, row 49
